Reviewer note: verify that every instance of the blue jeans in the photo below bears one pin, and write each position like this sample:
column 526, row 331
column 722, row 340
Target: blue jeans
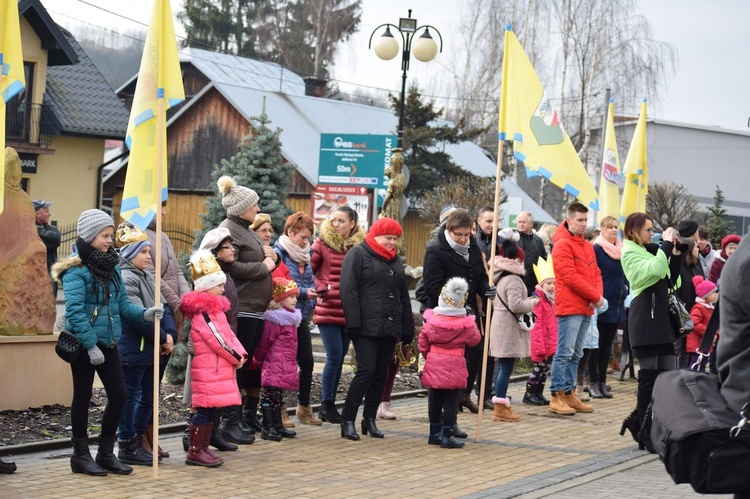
column 336, row 343
column 571, row 333
column 504, row 371
column 139, row 397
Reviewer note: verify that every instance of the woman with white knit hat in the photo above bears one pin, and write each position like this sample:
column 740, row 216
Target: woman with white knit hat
column 251, row 273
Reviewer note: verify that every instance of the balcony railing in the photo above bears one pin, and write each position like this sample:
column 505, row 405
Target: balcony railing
column 30, row 123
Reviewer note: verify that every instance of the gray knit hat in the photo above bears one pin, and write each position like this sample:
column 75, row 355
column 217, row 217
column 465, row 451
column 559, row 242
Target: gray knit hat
column 236, row 198
column 92, row 222
column 453, row 297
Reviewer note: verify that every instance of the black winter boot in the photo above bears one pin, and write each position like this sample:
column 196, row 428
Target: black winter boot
column 328, row 412
column 447, row 441
column 132, row 452
column 279, row 425
column 435, row 430
column 540, row 392
column 604, row 390
column 250, row 423
column 217, row 440
column 105, row 457
column 348, row 430
column 230, row 426
column 81, row 462
column 268, row 431
column 458, row 432
column 531, row 396
column 369, row 426
column 6, row 468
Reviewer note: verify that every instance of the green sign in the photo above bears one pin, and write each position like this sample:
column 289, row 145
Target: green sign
column 355, row 159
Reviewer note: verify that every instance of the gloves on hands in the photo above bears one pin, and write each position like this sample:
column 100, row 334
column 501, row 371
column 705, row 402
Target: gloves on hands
column 152, row 312
column 96, row 356
column 490, row 293
column 353, row 331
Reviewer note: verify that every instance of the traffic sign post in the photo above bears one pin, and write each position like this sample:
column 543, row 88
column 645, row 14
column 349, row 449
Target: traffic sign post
column 355, row 159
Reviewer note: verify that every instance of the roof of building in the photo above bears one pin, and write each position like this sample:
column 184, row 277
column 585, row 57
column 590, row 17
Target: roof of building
column 59, row 51
column 84, row 103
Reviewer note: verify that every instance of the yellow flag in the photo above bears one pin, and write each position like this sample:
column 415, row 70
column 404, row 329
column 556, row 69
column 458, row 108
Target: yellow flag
column 529, row 119
column 12, row 80
column 636, row 171
column 159, row 79
column 609, row 191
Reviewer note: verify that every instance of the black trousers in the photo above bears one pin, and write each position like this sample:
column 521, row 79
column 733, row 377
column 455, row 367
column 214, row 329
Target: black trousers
column 442, row 406
column 473, row 356
column 304, row 361
column 373, row 357
column 599, row 360
column 110, row 372
column 249, row 331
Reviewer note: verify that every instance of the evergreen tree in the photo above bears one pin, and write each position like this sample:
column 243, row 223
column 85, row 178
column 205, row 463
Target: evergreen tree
column 718, row 225
column 429, row 166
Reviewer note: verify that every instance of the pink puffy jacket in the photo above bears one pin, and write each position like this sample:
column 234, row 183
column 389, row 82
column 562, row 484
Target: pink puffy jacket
column 544, row 332
column 442, row 342
column 277, row 350
column 212, row 370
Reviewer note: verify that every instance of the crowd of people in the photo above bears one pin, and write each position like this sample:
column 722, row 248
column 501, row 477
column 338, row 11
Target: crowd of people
column 558, row 296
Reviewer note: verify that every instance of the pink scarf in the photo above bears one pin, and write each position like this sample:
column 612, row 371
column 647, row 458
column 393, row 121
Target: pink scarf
column 613, row 250
column 299, row 255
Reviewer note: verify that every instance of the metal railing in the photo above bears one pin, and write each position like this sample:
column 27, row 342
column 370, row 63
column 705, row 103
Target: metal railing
column 30, row 123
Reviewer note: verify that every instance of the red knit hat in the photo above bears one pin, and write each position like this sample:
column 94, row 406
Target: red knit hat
column 283, row 288
column 731, row 238
column 703, row 287
column 386, row 227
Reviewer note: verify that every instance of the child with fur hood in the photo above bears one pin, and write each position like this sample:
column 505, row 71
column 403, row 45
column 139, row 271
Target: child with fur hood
column 217, row 353
column 447, row 331
column 277, row 357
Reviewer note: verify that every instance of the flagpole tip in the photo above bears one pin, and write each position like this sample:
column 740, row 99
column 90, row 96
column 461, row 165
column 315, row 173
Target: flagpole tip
column 645, row 99
column 508, row 27
column 611, row 100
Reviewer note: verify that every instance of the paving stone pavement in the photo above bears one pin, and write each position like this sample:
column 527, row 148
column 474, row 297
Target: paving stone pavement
column 542, row 455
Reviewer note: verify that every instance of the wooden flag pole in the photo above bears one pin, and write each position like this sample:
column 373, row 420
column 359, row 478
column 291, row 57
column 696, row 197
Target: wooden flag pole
column 490, row 273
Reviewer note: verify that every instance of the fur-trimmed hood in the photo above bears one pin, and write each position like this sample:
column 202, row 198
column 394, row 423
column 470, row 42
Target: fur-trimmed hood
column 197, row 302
column 62, row 266
column 284, row 317
column 511, row 265
column 337, row 243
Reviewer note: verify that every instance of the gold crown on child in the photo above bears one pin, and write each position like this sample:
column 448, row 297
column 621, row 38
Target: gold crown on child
column 203, row 263
column 129, row 235
column 543, row 269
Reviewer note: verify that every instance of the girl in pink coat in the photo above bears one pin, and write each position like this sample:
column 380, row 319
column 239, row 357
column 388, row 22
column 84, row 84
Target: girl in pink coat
column 276, row 356
column 543, row 333
column 445, row 335
column 217, row 353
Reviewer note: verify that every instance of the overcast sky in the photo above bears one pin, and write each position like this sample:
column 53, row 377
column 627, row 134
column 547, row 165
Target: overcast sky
column 712, row 39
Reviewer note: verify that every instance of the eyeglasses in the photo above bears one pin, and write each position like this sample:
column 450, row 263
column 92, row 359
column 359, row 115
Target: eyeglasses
column 226, row 247
column 649, row 230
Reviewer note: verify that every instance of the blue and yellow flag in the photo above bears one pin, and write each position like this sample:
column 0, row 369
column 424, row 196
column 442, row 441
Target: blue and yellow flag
column 12, row 80
column 636, row 171
column 159, row 79
column 609, row 190
column 529, row 119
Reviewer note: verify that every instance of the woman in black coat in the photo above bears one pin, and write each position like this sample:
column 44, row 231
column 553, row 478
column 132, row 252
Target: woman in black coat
column 377, row 308
column 456, row 254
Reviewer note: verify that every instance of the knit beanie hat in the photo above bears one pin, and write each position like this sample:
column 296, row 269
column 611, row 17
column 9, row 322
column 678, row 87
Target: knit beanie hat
column 236, row 198
column 283, row 288
column 731, row 238
column 687, row 228
column 131, row 240
column 92, row 222
column 385, row 227
column 260, row 219
column 447, row 210
column 703, row 287
column 453, row 297
column 205, row 270
column 508, row 247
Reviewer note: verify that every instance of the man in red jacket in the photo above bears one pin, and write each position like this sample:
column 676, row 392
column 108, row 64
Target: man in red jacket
column 578, row 291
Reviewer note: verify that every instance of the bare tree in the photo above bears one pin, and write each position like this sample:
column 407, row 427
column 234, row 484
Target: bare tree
column 461, row 192
column 668, row 203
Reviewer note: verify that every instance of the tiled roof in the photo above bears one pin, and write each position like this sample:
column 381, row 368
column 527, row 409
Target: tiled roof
column 83, row 102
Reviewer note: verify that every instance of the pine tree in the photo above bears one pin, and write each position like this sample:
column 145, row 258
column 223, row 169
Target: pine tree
column 718, row 225
column 258, row 165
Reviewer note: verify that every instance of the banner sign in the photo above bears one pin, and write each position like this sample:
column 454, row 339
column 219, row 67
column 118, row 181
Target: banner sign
column 354, row 159
column 327, row 198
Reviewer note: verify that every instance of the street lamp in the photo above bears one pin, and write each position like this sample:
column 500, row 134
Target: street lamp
column 387, row 47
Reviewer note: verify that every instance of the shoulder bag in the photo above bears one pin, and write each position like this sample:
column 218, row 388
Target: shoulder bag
column 68, row 346
column 525, row 320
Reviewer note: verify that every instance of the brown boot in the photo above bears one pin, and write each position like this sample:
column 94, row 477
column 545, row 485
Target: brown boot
column 559, row 404
column 148, row 442
column 502, row 411
column 465, row 401
column 306, row 416
column 574, row 402
column 288, row 423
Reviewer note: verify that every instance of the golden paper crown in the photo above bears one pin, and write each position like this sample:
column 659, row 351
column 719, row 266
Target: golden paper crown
column 203, row 264
column 543, row 269
column 129, row 235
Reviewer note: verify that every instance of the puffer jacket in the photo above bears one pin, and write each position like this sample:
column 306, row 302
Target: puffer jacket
column 544, row 332
column 212, row 371
column 136, row 343
column 374, row 295
column 507, row 339
column 251, row 276
column 701, row 314
column 442, row 342
column 304, row 279
column 328, row 252
column 87, row 316
column 276, row 354
column 173, row 283
column 579, row 281
column 615, row 286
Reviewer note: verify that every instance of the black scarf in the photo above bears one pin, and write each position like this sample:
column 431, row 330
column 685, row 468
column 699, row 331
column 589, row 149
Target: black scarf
column 102, row 266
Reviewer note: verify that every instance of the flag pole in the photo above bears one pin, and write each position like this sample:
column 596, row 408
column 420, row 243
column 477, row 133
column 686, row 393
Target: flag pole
column 157, row 279
column 490, row 274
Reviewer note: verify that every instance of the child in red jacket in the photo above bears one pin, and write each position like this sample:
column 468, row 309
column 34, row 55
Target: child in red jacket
column 543, row 333
column 706, row 294
column 447, row 331
column 217, row 353
column 277, row 357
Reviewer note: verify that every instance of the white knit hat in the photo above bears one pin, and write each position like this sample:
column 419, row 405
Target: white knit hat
column 205, row 270
column 236, row 198
column 453, row 297
column 92, row 222
column 213, row 238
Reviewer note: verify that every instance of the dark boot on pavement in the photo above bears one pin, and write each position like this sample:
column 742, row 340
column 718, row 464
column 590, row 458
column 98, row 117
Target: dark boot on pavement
column 594, row 391
column 435, row 437
column 268, row 431
column 278, row 424
column 207, row 442
column 195, row 455
column 465, row 401
column 131, row 451
column 458, row 432
column 604, row 390
column 148, row 442
column 250, row 421
column 6, row 468
column 447, row 441
column 105, row 457
column 369, row 426
column 81, row 461
column 540, row 393
column 230, row 426
column 348, row 430
column 216, row 439
column 328, row 412
column 531, row 396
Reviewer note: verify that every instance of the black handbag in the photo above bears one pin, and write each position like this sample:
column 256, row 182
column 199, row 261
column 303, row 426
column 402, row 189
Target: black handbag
column 681, row 320
column 68, row 346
